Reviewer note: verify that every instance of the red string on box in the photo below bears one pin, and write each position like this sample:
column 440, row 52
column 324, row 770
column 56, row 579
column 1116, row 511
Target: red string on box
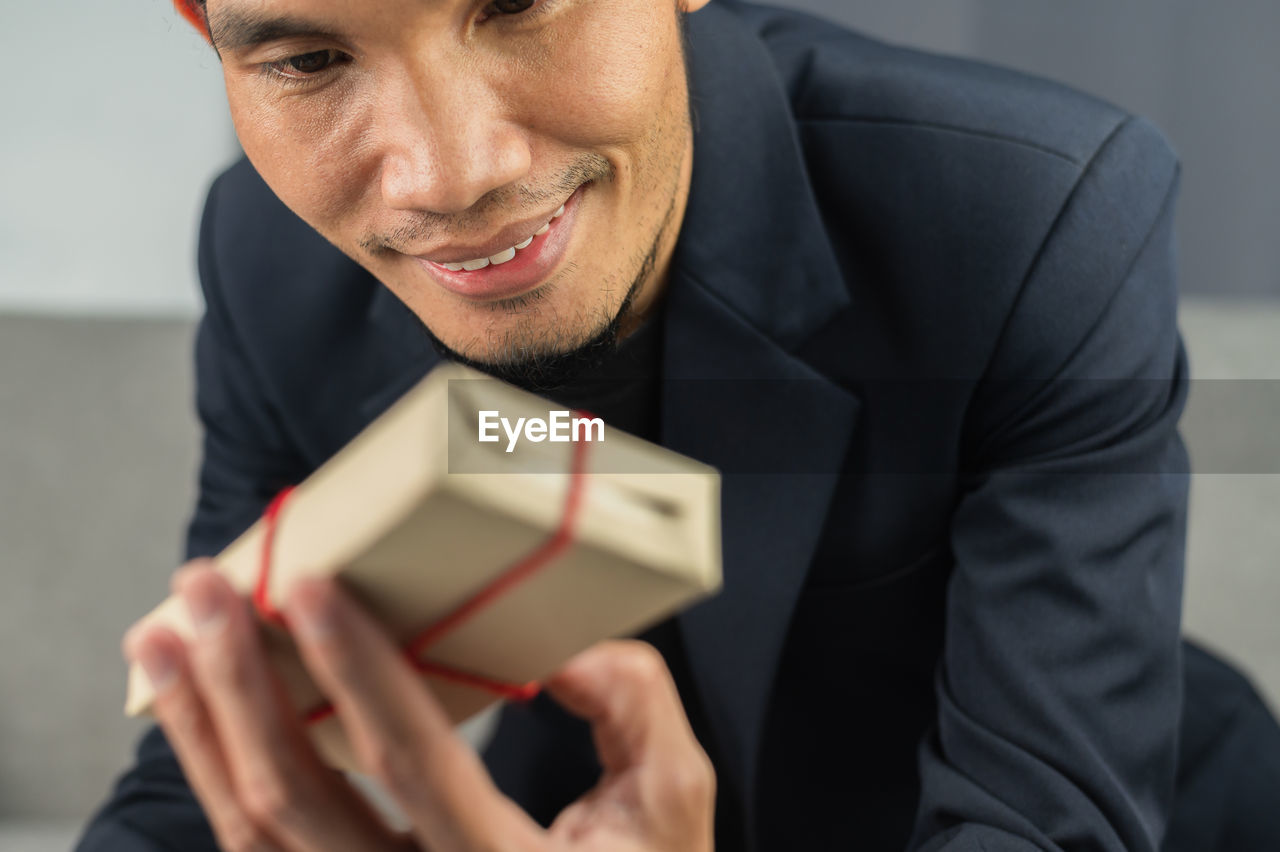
column 560, row 541
column 261, row 599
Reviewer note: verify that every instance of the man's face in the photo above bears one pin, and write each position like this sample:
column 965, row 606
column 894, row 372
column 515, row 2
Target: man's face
column 425, row 138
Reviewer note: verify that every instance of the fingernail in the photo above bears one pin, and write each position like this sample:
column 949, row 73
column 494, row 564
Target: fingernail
column 159, row 664
column 309, row 613
column 206, row 606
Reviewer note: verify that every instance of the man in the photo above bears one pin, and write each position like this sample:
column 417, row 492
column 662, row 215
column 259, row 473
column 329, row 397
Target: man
column 920, row 313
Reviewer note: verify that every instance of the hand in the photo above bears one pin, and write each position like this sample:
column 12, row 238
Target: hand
column 262, row 785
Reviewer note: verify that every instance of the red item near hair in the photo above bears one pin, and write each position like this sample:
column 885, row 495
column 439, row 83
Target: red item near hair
column 194, row 14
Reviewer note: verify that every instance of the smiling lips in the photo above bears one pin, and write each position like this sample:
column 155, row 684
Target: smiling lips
column 513, row 270
column 506, row 254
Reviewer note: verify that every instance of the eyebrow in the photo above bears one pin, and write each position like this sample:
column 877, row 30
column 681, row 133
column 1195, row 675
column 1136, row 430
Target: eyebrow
column 237, row 30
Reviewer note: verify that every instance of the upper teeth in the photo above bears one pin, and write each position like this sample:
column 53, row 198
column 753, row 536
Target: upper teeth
column 504, row 255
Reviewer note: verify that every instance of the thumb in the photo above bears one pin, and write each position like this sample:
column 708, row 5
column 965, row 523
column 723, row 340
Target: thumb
column 624, row 689
column 654, row 768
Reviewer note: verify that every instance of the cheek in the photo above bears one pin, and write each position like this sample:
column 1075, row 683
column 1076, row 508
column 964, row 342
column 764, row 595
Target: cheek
column 307, row 149
column 616, row 70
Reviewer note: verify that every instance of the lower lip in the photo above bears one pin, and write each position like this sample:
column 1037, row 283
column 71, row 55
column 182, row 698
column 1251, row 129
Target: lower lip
column 531, row 266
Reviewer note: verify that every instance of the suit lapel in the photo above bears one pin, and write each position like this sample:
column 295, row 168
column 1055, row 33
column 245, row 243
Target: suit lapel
column 402, row 353
column 753, row 278
column 778, row 433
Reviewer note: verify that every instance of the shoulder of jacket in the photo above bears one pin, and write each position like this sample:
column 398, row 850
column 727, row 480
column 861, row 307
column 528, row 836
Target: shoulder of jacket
column 942, row 180
column 266, row 259
column 834, row 75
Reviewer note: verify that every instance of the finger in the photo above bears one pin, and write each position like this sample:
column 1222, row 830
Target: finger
column 640, row 729
column 186, row 723
column 658, row 783
column 398, row 729
column 624, row 689
column 198, row 564
column 278, row 778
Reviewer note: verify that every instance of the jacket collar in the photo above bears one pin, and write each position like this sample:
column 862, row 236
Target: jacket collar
column 754, row 277
column 752, row 233
column 403, row 356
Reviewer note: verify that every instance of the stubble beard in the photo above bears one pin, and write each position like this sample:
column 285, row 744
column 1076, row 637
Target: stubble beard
column 540, row 349
column 543, row 351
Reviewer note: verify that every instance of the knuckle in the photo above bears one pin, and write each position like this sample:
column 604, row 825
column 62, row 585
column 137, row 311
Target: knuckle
column 689, row 782
column 268, row 799
column 243, row 835
column 182, row 715
column 227, row 664
column 343, row 664
column 708, row 768
column 644, row 666
column 393, row 765
column 192, row 729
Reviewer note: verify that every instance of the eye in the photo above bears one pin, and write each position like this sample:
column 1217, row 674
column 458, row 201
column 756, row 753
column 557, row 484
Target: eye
column 516, row 11
column 512, row 7
column 313, row 62
column 310, row 63
column 306, row 64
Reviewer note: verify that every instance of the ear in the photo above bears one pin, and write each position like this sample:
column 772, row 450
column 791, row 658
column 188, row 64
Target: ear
column 691, row 5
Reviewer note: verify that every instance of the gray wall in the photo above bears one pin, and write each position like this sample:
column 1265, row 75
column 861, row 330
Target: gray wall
column 114, row 123
column 1207, row 73
column 97, row 476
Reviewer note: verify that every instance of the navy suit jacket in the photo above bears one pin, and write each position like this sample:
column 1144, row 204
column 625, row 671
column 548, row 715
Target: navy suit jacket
column 922, row 316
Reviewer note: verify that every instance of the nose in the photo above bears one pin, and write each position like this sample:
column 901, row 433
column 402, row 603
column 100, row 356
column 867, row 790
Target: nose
column 448, row 144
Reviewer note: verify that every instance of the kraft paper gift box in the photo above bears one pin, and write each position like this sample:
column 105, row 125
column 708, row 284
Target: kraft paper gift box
column 449, row 491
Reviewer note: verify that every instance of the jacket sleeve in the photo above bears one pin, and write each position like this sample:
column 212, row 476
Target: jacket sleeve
column 247, row 458
column 1059, row 686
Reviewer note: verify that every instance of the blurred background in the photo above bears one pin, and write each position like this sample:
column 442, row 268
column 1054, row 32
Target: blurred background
column 118, row 124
